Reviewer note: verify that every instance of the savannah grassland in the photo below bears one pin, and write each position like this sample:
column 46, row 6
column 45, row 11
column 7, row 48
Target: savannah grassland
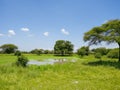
column 85, row 74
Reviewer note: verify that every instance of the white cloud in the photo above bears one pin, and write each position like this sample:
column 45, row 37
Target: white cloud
column 25, row 29
column 1, row 34
column 11, row 33
column 64, row 31
column 46, row 33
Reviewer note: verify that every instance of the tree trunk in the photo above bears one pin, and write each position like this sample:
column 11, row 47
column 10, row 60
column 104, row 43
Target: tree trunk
column 119, row 51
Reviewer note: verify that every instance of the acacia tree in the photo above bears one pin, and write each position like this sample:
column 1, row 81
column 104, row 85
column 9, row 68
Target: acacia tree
column 109, row 32
column 8, row 48
column 63, row 47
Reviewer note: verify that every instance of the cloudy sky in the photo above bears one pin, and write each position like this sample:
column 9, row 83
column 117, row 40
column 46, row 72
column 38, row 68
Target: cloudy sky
column 31, row 24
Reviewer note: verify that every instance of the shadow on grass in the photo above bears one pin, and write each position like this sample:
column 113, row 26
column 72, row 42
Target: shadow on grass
column 63, row 55
column 114, row 64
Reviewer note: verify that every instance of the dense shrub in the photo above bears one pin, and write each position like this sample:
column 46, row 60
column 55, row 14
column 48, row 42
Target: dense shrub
column 101, row 50
column 98, row 55
column 83, row 51
column 22, row 61
column 37, row 51
column 113, row 53
column 17, row 53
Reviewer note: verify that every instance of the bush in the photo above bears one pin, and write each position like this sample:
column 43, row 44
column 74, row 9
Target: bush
column 113, row 54
column 83, row 51
column 22, row 61
column 98, row 55
column 101, row 50
column 17, row 53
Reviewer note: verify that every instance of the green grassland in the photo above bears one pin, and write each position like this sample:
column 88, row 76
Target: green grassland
column 86, row 73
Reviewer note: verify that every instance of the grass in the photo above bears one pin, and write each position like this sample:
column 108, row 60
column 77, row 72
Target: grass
column 85, row 74
column 6, row 58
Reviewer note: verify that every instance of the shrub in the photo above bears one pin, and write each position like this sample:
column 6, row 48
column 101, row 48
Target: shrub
column 113, row 53
column 17, row 53
column 83, row 51
column 101, row 50
column 22, row 61
column 98, row 55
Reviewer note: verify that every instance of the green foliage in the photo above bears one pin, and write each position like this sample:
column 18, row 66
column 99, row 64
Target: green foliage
column 8, row 48
column 101, row 50
column 113, row 53
column 37, row 51
column 83, row 51
column 17, row 53
column 41, row 51
column 112, row 31
column 109, row 32
column 48, row 52
column 98, row 55
column 63, row 47
column 94, row 36
column 22, row 61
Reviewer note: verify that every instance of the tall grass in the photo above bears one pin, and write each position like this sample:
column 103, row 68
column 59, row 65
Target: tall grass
column 85, row 74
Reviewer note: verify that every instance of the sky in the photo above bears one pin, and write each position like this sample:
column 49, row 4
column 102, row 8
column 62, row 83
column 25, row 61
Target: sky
column 31, row 24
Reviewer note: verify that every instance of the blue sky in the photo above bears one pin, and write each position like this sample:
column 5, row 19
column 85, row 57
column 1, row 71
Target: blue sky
column 34, row 24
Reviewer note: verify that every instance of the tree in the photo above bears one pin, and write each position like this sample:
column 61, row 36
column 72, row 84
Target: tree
column 94, row 36
column 22, row 61
column 108, row 32
column 34, row 51
column 47, row 51
column 37, row 51
column 101, row 50
column 17, row 53
column 112, row 32
column 83, row 51
column 69, row 47
column 98, row 56
column 8, row 48
column 63, row 47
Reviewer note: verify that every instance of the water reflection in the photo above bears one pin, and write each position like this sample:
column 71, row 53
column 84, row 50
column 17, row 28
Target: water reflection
column 49, row 61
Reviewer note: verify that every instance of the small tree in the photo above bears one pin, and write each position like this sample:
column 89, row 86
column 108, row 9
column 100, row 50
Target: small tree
column 83, row 51
column 8, row 48
column 113, row 53
column 98, row 56
column 101, row 50
column 22, row 61
column 63, row 47
column 46, row 51
column 17, row 53
column 37, row 51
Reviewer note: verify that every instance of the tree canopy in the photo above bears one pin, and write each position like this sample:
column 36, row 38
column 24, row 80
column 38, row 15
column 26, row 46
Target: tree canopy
column 101, row 50
column 63, row 47
column 108, row 32
column 37, row 51
column 8, row 48
column 83, row 51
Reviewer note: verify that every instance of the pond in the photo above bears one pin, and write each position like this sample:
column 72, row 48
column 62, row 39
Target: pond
column 49, row 61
